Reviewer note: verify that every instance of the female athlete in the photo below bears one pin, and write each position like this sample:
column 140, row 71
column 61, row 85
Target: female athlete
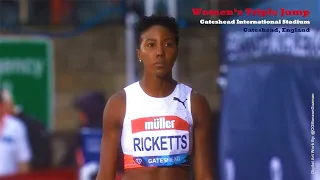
column 161, row 124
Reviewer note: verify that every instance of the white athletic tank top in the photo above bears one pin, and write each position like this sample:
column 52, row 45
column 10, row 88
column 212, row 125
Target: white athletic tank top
column 157, row 132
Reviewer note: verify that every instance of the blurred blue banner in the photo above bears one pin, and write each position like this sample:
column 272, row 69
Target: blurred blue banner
column 270, row 106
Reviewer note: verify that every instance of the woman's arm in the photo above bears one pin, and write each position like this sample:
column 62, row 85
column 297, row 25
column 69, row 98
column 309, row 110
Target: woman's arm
column 203, row 152
column 112, row 127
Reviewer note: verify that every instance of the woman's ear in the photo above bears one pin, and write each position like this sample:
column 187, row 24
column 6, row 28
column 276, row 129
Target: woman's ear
column 138, row 54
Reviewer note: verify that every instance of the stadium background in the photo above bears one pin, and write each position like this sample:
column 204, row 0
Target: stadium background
column 89, row 53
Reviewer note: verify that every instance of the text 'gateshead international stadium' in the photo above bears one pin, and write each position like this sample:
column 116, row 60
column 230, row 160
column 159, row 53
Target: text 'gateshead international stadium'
column 237, row 21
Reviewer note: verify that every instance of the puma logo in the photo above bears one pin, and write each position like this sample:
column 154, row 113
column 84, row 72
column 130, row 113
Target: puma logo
column 182, row 102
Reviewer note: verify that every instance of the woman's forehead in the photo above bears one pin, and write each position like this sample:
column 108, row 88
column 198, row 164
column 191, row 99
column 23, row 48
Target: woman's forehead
column 157, row 31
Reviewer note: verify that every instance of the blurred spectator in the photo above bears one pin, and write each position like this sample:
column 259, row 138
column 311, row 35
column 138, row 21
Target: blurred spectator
column 86, row 151
column 90, row 108
column 38, row 137
column 15, row 152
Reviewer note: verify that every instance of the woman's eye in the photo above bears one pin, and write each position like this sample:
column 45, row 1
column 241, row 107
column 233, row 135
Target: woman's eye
column 150, row 45
column 169, row 44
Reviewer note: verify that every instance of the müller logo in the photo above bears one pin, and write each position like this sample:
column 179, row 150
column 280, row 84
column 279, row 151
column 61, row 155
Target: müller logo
column 159, row 123
column 251, row 12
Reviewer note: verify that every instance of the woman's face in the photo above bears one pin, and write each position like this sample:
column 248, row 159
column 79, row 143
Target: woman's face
column 158, row 51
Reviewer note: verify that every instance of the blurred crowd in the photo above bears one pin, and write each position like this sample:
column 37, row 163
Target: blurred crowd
column 24, row 141
column 26, row 145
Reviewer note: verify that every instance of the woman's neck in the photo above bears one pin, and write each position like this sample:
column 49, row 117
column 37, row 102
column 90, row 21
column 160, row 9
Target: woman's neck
column 158, row 87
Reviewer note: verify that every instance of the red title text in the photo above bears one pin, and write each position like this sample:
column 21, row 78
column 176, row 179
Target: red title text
column 251, row 12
